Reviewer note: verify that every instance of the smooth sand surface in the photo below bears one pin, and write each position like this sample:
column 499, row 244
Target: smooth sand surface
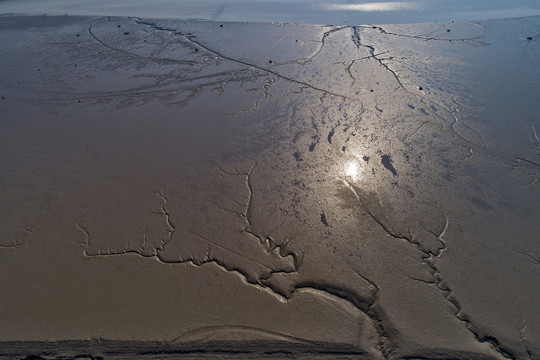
column 202, row 189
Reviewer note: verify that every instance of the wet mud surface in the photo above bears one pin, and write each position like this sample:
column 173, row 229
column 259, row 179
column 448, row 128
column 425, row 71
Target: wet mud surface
column 210, row 190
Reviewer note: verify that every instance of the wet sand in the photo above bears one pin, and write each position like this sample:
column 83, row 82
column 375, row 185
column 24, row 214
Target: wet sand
column 215, row 189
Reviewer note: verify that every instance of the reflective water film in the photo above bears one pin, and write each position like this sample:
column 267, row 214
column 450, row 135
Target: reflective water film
column 350, row 12
column 211, row 189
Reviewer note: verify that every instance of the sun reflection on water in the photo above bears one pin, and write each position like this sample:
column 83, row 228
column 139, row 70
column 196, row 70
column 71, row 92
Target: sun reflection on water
column 352, row 170
column 374, row 6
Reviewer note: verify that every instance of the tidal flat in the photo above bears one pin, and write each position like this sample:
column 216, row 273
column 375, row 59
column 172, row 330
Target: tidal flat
column 205, row 189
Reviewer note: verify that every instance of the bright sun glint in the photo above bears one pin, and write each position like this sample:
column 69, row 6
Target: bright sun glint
column 352, row 170
column 373, row 6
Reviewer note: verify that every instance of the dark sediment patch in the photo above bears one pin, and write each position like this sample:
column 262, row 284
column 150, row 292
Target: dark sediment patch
column 387, row 161
column 110, row 349
column 323, row 219
column 330, row 135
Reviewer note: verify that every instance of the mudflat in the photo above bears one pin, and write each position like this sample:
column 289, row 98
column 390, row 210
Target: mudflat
column 206, row 189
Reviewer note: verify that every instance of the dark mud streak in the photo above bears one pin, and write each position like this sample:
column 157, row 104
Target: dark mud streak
column 158, row 60
column 418, row 129
column 451, row 126
column 386, row 160
column 529, row 162
column 143, row 92
column 481, row 204
column 172, row 227
column 322, row 41
column 330, row 135
column 532, row 258
column 317, row 137
column 429, row 259
column 156, row 251
column 30, row 231
column 364, row 305
column 524, row 342
column 424, row 37
column 341, row 293
column 361, row 304
column 444, row 355
column 245, row 63
column 358, row 43
column 246, row 215
column 323, row 219
column 122, row 350
column 348, row 68
column 368, row 307
column 376, row 317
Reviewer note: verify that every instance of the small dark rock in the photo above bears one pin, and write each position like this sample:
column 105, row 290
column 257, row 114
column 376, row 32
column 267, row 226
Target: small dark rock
column 126, row 32
column 447, row 30
column 118, row 26
column 196, row 49
column 3, row 97
column 529, row 38
column 220, row 25
column 77, row 35
column 270, row 61
column 371, row 90
column 420, row 88
column 79, row 100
